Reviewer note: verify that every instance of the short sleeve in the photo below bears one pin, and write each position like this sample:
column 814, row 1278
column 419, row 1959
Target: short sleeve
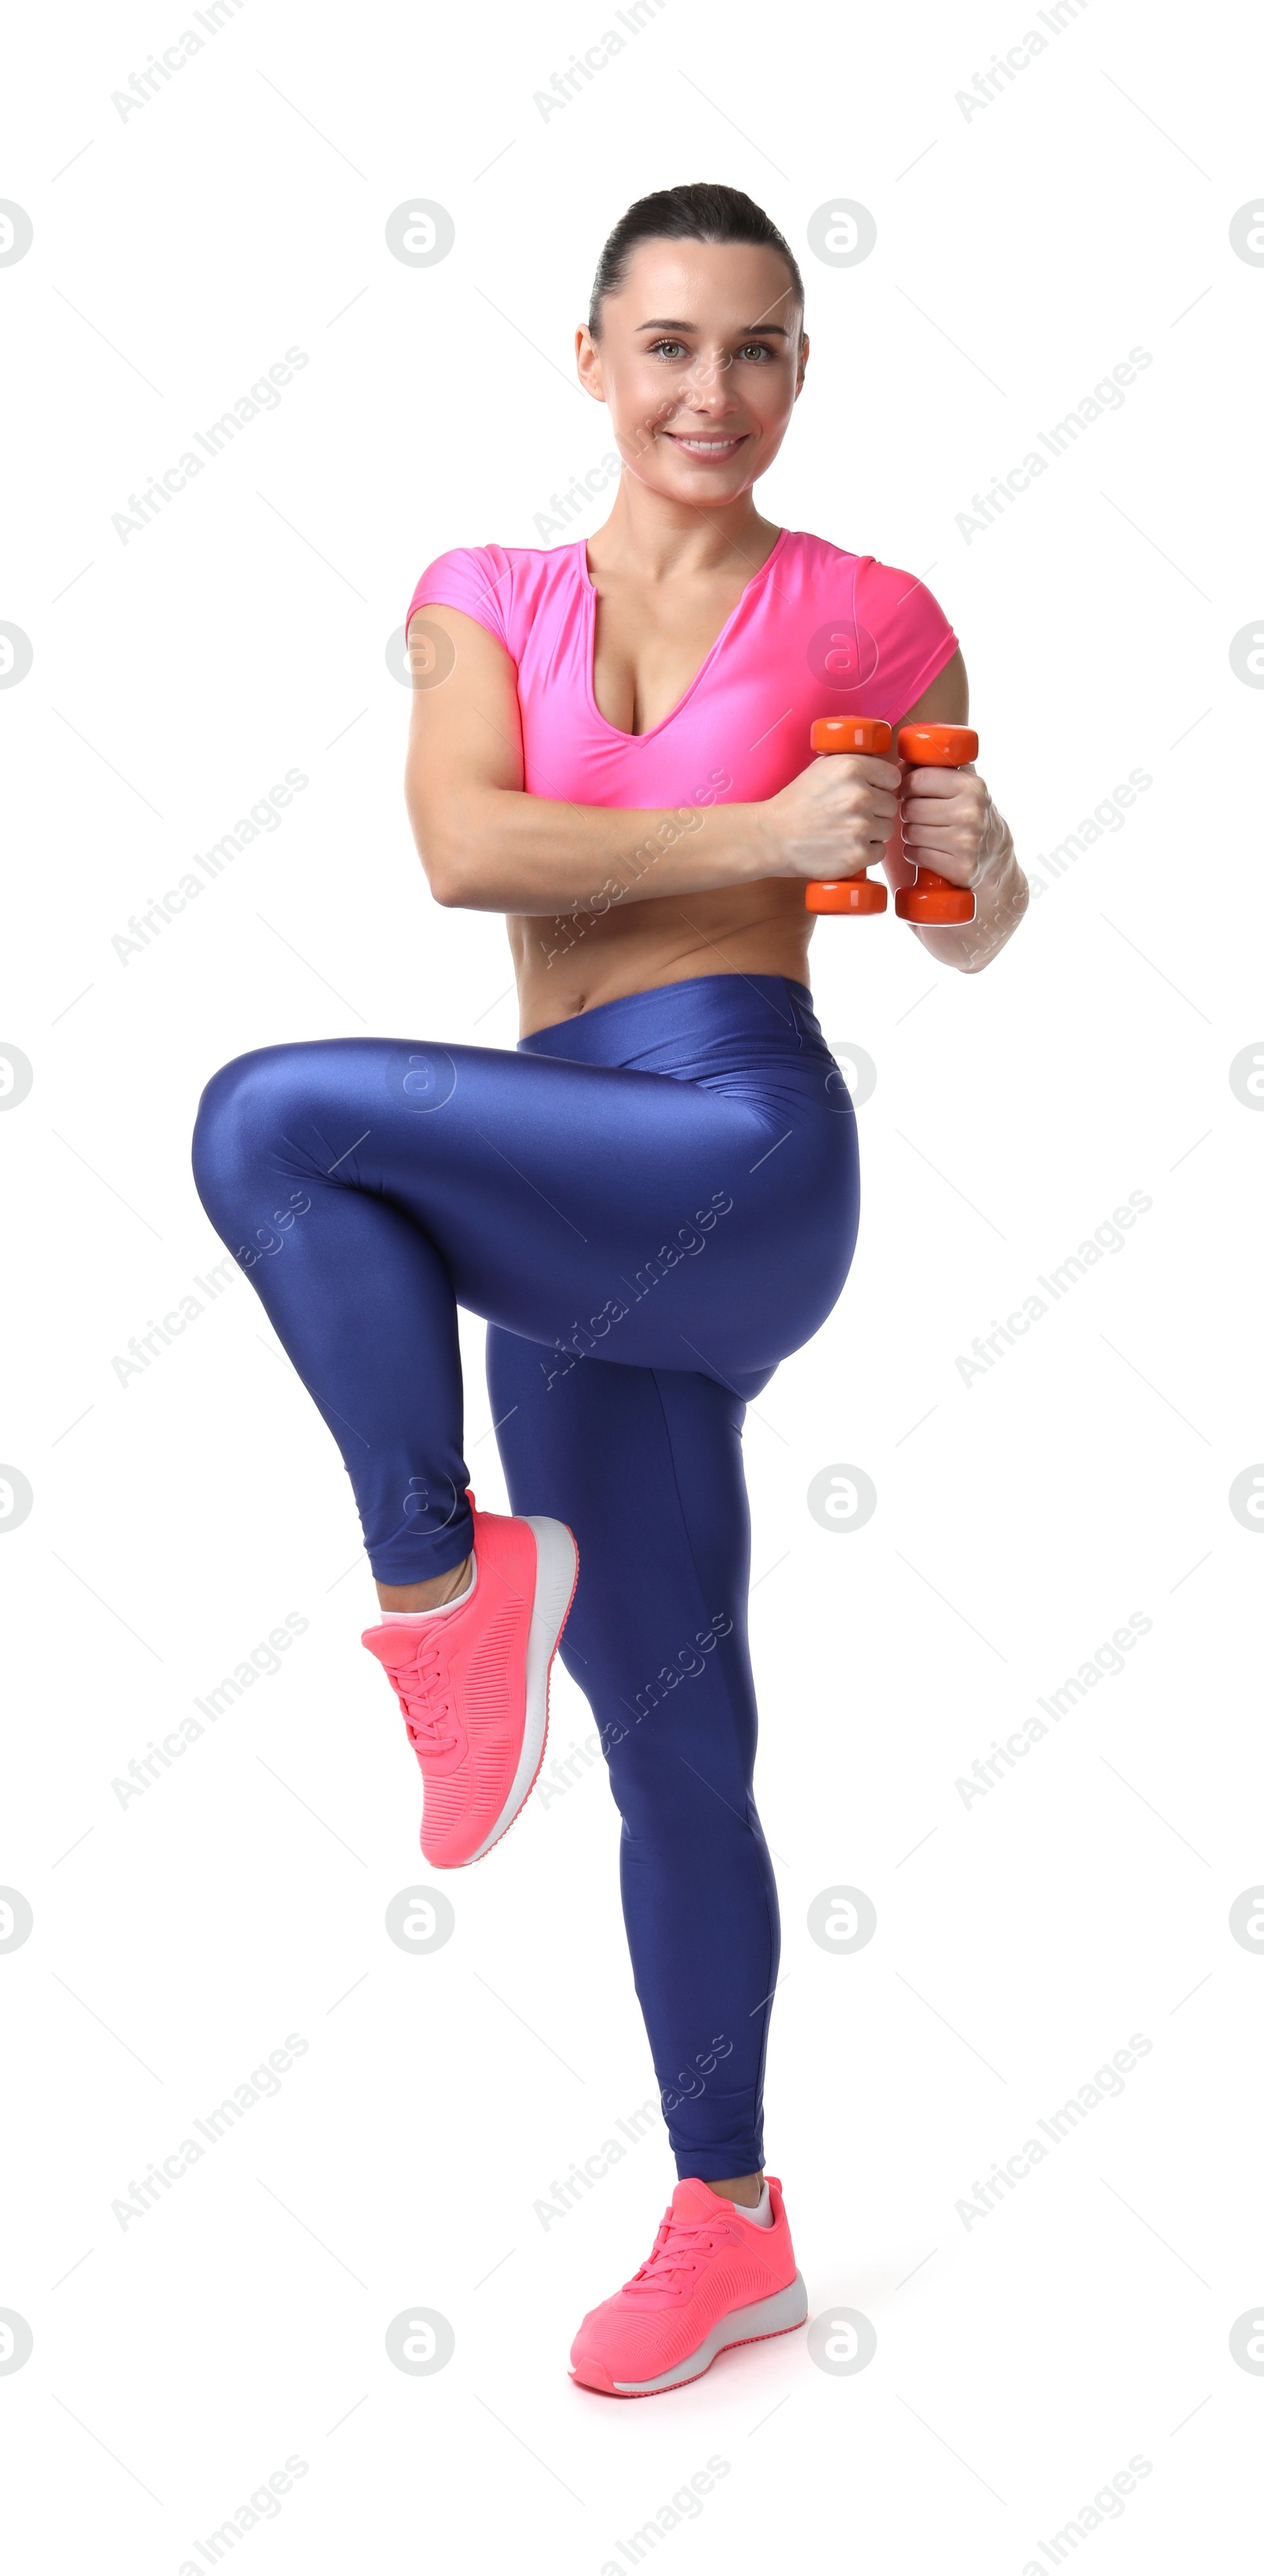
column 475, row 579
column 905, row 621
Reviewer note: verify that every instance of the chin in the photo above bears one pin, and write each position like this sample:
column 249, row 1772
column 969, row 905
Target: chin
column 695, row 479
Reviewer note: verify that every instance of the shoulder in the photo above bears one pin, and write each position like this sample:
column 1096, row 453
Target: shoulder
column 892, row 601
column 494, row 566
column 816, row 554
column 804, row 566
column 466, row 577
column 890, row 591
column 899, row 634
column 495, row 584
column 883, row 590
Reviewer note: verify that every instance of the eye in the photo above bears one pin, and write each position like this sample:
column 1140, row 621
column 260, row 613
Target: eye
column 666, row 349
column 755, row 349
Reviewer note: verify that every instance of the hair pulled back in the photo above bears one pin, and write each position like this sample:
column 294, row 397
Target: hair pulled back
column 705, row 212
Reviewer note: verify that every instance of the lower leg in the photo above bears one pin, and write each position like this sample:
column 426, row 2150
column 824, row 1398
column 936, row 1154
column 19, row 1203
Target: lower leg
column 427, row 1596
column 645, row 1467
column 359, row 1293
column 743, row 2188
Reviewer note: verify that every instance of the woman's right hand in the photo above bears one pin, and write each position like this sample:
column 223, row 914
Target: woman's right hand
column 835, row 819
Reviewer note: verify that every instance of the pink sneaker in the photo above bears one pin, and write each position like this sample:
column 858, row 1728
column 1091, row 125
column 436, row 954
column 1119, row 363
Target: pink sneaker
column 711, row 2281
column 474, row 1685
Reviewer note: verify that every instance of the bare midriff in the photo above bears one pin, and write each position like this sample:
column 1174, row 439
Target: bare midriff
column 582, row 959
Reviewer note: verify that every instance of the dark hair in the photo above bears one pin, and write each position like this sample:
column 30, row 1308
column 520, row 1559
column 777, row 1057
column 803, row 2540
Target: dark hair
column 704, row 212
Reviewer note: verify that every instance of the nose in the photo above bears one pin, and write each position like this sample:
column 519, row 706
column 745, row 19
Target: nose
column 705, row 387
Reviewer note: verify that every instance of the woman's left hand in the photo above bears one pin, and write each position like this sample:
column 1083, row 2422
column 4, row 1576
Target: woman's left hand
column 950, row 824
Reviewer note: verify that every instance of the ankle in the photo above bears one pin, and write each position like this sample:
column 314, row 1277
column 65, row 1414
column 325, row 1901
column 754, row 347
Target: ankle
column 427, row 1596
column 745, row 2189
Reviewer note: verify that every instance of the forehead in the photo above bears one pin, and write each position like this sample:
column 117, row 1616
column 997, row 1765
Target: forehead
column 734, row 283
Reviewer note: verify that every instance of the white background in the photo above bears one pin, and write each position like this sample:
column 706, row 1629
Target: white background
column 1021, row 2360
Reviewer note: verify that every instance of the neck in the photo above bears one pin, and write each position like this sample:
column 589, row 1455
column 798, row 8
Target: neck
column 658, row 538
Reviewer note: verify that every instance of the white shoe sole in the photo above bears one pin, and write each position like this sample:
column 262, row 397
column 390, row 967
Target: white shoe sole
column 778, row 2315
column 556, row 1573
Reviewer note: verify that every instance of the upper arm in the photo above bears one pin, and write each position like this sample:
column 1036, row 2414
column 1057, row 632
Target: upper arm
column 947, row 700
column 465, row 734
column 911, row 636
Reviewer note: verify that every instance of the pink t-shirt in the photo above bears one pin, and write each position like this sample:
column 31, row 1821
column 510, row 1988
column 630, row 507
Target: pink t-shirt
column 817, row 632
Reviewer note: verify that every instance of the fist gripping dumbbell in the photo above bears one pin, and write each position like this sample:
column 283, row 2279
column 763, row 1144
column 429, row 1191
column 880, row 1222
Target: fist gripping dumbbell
column 848, row 894
column 931, row 898
column 935, row 746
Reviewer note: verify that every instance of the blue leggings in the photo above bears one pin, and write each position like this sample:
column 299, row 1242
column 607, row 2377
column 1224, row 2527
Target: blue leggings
column 651, row 1204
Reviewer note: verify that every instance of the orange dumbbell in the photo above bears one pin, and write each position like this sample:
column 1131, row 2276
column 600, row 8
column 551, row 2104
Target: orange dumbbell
column 935, row 746
column 848, row 894
column 930, row 898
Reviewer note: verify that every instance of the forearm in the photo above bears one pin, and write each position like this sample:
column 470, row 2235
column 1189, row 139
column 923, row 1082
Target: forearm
column 1001, row 897
column 499, row 850
column 1000, row 889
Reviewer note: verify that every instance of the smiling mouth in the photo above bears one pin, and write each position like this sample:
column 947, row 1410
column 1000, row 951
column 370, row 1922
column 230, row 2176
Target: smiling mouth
column 714, row 448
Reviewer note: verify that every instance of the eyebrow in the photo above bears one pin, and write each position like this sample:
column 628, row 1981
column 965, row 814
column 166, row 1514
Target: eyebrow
column 748, row 331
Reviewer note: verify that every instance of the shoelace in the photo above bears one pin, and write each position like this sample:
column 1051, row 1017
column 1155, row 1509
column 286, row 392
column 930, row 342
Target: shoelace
column 424, row 1696
column 678, row 2248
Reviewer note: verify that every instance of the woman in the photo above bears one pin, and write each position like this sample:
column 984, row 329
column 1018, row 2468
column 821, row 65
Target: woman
column 652, row 1202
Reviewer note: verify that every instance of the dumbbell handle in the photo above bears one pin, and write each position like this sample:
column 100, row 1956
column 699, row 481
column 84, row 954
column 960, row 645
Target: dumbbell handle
column 931, row 898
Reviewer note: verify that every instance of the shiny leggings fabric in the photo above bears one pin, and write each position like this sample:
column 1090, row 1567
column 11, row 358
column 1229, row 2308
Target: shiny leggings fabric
column 651, row 1205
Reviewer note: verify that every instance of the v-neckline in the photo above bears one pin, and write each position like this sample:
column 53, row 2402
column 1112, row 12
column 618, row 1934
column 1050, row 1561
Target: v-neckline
column 590, row 650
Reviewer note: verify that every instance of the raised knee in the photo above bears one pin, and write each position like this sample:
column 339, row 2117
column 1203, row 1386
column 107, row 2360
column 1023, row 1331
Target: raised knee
column 227, row 1114
column 244, row 1142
